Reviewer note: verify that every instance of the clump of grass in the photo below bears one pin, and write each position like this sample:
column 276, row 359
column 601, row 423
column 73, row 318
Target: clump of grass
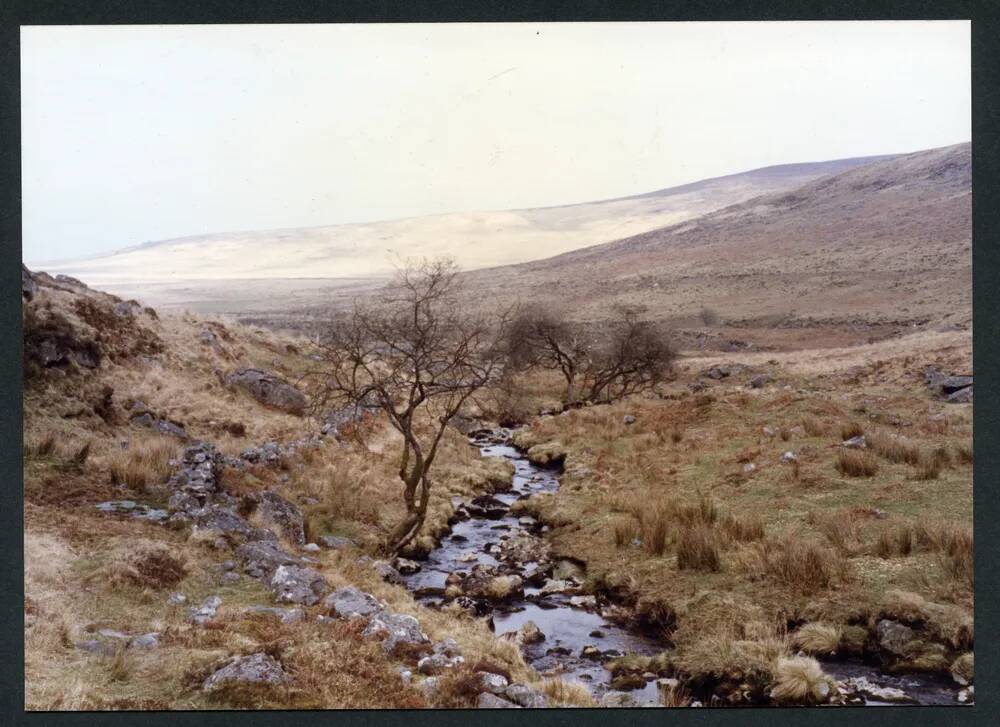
column 898, row 541
column 676, row 435
column 655, row 527
column 152, row 566
column 144, row 463
column 743, row 529
column 856, row 463
column 894, row 449
column 800, row 679
column 836, row 525
column 929, row 468
column 963, row 453
column 815, row 427
column 850, row 430
column 79, row 458
column 958, row 552
column 625, row 532
column 797, row 562
column 817, row 638
column 44, row 446
column 567, row 693
column 697, row 549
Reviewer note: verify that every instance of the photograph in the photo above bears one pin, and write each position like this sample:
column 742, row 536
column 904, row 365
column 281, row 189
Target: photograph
column 497, row 365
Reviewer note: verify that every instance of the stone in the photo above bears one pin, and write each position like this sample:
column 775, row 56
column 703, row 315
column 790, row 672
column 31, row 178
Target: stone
column 583, row 601
column 276, row 512
column 530, row 633
column 405, row 675
column 961, row 396
column 526, row 697
column 448, row 647
column 145, row 641
column 590, row 652
column 349, row 602
column 770, row 431
column 175, row 599
column 760, row 380
column 285, row 615
column 556, row 586
column 966, row 696
column 294, row 584
column 493, row 683
column 628, row 419
column 268, row 389
column 394, row 629
column 429, row 686
column 749, row 467
column 405, row 566
column 492, row 701
column 387, row 572
column 262, row 558
column 893, row 636
column 434, row 664
column 335, row 542
column 311, row 548
column 94, row 646
column 206, row 611
column 857, row 442
column 229, row 578
column 789, row 457
column 614, row 698
column 862, row 686
column 28, row 285
column 253, row 669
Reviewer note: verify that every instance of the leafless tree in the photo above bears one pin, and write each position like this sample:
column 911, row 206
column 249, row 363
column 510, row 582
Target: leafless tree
column 622, row 357
column 415, row 355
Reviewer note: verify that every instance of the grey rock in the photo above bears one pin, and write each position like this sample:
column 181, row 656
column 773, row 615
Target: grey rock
column 28, row 285
column 615, row 698
column 448, row 647
column 405, row 675
column 254, row 669
column 286, row 615
column 492, row 701
column 864, row 687
column 760, row 381
column 387, row 572
column 206, row 611
column 145, row 641
column 434, row 664
column 277, row 513
column 583, row 601
column 526, row 697
column 262, row 558
column 294, row 584
column 95, row 646
column 788, row 457
column 857, row 442
column 961, row 396
column 176, row 599
column 394, row 629
column 493, row 683
column 349, row 602
column 311, row 548
column 628, row 419
column 893, row 636
column 268, row 389
column 405, row 566
column 335, row 542
column 229, row 578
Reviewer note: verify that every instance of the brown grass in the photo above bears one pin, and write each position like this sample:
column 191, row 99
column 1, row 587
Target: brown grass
column 851, row 430
column 893, row 448
column 856, row 463
column 144, row 463
column 150, row 566
column 625, row 531
column 697, row 549
column 817, row 638
column 815, row 427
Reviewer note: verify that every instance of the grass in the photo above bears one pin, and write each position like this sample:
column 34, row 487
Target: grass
column 856, row 463
column 697, row 549
column 145, row 463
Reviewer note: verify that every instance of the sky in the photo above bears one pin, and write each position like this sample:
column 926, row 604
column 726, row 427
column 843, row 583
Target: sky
column 139, row 133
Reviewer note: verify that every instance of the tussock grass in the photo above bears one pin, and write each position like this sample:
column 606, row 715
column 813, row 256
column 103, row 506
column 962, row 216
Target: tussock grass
column 800, row 679
column 850, row 430
column 856, row 463
column 144, row 463
column 743, row 529
column 893, row 448
column 802, row 564
column 567, row 693
column 817, row 638
column 815, row 427
column 149, row 566
column 625, row 531
column 963, row 453
column 697, row 549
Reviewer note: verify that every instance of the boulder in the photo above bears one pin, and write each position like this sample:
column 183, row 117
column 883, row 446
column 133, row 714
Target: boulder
column 285, row 615
column 894, row 636
column 206, row 611
column 394, row 629
column 276, row 512
column 335, row 542
column 616, row 698
column 493, row 683
column 865, row 688
column 387, row 572
column 261, row 558
column 760, row 381
column 269, row 390
column 434, row 664
column 405, row 566
column 294, row 584
column 960, row 396
column 253, row 669
column 145, row 641
column 28, row 285
column 857, row 442
column 492, row 701
column 526, row 697
column 628, row 419
column 349, row 602
column 448, row 647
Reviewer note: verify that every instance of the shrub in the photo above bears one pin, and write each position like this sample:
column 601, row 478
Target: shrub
column 697, row 549
column 150, row 567
column 855, row 463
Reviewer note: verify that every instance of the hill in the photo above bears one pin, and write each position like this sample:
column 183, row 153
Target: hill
column 474, row 239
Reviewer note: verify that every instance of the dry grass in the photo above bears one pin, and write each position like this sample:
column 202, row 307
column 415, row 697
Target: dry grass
column 851, row 430
column 145, row 463
column 894, row 448
column 150, row 565
column 800, row 679
column 625, row 532
column 815, row 427
column 567, row 693
column 856, row 463
column 817, row 638
column 796, row 562
column 697, row 549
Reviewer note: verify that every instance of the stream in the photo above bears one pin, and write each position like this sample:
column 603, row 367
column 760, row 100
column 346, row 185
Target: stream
column 578, row 639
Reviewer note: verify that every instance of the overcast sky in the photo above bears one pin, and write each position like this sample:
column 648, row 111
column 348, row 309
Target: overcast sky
column 133, row 133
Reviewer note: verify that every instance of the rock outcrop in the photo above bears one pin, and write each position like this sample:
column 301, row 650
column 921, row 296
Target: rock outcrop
column 269, row 390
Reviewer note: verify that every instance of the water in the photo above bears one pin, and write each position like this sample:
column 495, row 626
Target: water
column 568, row 628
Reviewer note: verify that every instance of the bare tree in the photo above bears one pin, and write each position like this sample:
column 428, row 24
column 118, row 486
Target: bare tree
column 625, row 356
column 417, row 357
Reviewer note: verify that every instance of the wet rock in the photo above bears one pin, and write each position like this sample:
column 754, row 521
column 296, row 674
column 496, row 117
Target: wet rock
column 556, row 586
column 487, row 700
column 277, row 513
column 530, row 633
column 596, row 634
column 966, row 696
column 335, row 542
column 293, row 584
column 862, row 686
column 487, row 506
column 394, row 629
column 268, row 389
column 524, row 548
column 206, row 611
column 349, row 602
column 262, row 558
column 254, row 669
column 526, row 697
column 583, row 601
column 285, row 615
column 591, row 652
column 894, row 636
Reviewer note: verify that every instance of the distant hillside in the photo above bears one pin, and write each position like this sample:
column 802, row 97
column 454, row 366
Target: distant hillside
column 886, row 241
column 475, row 239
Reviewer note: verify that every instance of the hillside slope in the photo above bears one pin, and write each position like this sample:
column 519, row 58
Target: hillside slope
column 887, row 242
column 475, row 239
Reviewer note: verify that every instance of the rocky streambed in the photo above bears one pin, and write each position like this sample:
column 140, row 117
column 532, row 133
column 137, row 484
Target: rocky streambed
column 497, row 564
